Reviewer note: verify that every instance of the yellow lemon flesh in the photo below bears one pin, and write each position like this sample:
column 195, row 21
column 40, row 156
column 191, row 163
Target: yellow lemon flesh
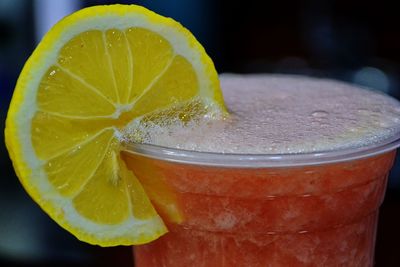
column 94, row 72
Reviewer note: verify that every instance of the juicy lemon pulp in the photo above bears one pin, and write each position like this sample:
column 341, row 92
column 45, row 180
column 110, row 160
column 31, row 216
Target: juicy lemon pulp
column 97, row 74
column 99, row 81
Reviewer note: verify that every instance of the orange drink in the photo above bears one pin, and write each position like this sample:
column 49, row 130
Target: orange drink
column 309, row 215
column 303, row 208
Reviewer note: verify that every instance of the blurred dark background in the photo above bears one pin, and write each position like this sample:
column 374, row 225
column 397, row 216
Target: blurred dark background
column 355, row 41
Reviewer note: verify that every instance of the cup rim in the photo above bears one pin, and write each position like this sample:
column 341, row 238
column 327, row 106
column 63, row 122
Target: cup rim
column 233, row 160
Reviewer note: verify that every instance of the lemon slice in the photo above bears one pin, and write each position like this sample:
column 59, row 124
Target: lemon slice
column 95, row 72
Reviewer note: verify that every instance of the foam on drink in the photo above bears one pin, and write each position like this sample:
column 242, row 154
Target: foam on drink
column 274, row 114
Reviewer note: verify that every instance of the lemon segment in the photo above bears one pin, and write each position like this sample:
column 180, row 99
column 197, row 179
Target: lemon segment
column 156, row 187
column 103, row 199
column 86, row 56
column 64, row 93
column 141, row 206
column 70, row 170
column 120, row 58
column 64, row 133
column 151, row 56
column 178, row 84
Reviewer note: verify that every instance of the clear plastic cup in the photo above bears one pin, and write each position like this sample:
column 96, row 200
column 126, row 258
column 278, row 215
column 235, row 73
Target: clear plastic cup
column 312, row 209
